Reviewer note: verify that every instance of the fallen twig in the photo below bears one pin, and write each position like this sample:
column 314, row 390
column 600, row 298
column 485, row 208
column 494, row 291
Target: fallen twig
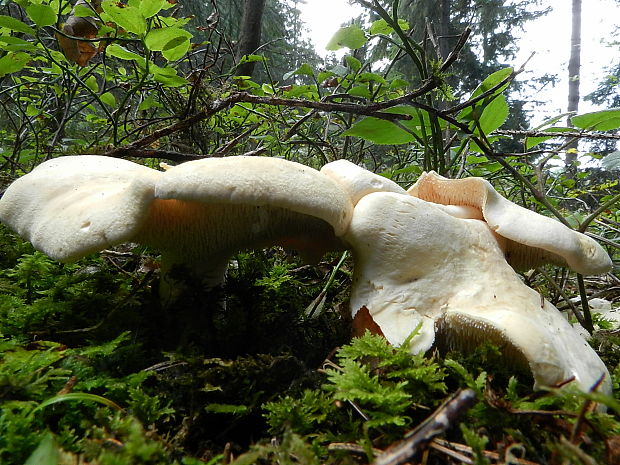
column 456, row 450
column 418, row 439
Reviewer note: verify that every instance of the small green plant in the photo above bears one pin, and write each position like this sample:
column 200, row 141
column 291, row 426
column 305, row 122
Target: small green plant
column 387, row 383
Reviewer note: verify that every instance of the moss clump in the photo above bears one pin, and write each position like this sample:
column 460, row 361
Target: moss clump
column 92, row 368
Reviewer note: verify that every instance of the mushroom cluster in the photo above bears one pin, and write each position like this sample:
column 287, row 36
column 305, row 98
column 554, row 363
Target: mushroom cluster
column 438, row 259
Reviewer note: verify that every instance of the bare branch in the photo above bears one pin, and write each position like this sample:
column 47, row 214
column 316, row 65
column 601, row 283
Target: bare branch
column 442, row 419
column 568, row 134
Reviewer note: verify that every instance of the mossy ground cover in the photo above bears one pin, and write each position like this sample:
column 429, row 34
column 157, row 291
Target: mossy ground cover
column 94, row 370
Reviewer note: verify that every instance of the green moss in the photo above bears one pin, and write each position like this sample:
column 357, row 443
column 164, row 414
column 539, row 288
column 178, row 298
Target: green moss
column 195, row 377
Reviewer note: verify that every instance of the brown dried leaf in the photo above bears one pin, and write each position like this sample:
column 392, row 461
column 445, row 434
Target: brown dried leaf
column 363, row 321
column 613, row 450
column 75, row 50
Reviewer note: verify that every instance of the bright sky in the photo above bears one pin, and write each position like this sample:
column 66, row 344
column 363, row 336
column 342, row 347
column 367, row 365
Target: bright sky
column 548, row 36
column 324, row 17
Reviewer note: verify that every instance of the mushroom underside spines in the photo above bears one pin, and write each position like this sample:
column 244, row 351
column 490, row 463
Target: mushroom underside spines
column 542, row 341
column 453, row 270
column 457, row 332
column 196, row 234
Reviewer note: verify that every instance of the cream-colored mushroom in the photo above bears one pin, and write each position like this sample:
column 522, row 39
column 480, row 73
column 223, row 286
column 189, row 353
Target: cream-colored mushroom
column 358, row 182
column 207, row 210
column 531, row 239
column 197, row 214
column 417, row 266
column 435, row 258
column 70, row 207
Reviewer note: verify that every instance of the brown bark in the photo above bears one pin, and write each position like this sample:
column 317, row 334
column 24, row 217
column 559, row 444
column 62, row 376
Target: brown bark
column 444, row 30
column 250, row 33
column 574, row 65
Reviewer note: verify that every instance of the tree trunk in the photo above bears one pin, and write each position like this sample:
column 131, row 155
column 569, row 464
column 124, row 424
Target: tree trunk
column 249, row 35
column 444, row 30
column 574, row 65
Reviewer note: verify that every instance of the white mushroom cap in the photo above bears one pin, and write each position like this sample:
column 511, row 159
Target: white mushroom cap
column 533, row 239
column 358, row 182
column 70, row 207
column 198, row 213
column 258, row 181
column 416, row 265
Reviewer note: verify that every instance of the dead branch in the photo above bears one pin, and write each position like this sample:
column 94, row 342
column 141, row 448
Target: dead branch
column 418, row 439
column 568, row 134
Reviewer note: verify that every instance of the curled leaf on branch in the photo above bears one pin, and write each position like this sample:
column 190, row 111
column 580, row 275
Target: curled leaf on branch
column 80, row 27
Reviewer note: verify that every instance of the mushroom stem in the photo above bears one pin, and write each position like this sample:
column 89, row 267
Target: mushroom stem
column 197, row 239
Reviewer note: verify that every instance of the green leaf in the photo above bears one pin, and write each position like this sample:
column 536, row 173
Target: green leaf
column 15, row 25
column 415, row 169
column 15, row 44
column 324, row 75
column 167, row 76
column 370, row 77
column 115, row 50
column 176, row 49
column 494, row 115
column 42, row 15
column 553, row 120
column 46, row 453
column 398, row 83
column 150, row 8
column 92, row 84
column 129, row 18
column 491, row 112
column 611, row 161
column 303, row 70
column 108, row 98
column 339, row 70
column 351, row 37
column 77, row 396
column 251, row 59
column 83, row 11
column 31, row 110
column 149, row 103
column 360, row 91
column 604, row 120
column 13, row 62
column 492, row 80
column 382, row 27
column 353, row 63
column 384, row 132
column 379, row 131
column 268, row 89
column 305, row 91
column 159, row 39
